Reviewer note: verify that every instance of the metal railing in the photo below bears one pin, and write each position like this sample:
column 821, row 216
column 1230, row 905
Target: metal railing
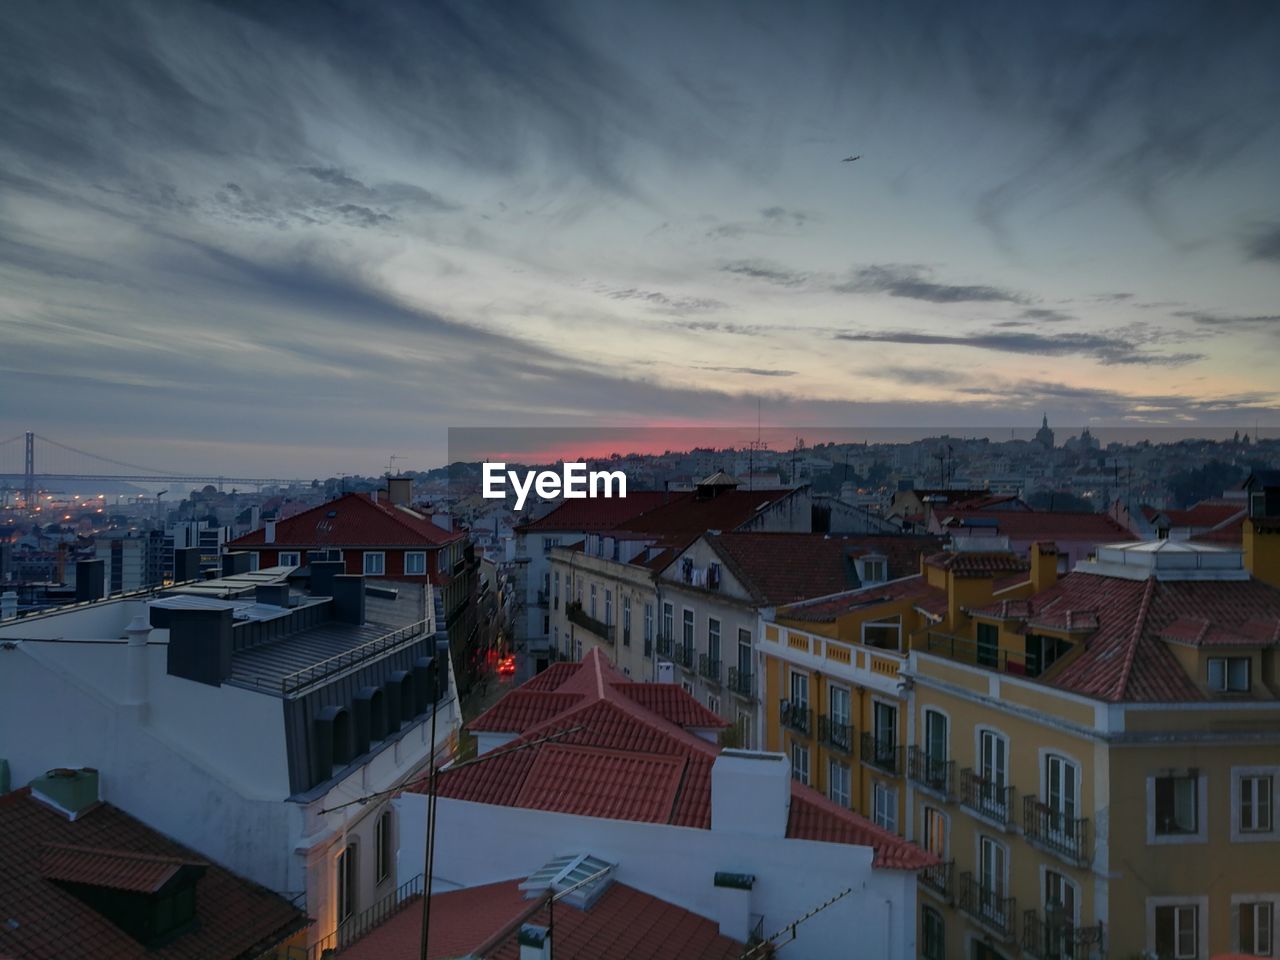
column 1054, row 936
column 665, row 645
column 931, row 772
column 648, row 648
column 983, row 655
column 1052, row 830
column 836, row 733
column 987, row 906
column 796, row 716
column 939, row 878
column 742, row 682
column 987, row 798
column 682, row 653
column 881, row 754
column 709, row 669
column 357, row 925
column 577, row 615
column 350, row 658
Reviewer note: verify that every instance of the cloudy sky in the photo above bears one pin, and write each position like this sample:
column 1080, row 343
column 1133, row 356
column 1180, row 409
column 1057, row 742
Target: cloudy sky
column 265, row 238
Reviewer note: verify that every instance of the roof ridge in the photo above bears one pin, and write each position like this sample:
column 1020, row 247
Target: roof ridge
column 1139, row 628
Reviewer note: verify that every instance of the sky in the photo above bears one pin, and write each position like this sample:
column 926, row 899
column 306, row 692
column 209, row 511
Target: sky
column 294, row 240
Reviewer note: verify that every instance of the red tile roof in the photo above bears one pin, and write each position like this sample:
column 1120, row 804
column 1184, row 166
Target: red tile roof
column 778, row 568
column 1039, row 524
column 623, row 923
column 352, row 520
column 1206, row 514
column 521, row 709
column 1127, row 658
column 827, row 609
column 236, row 918
column 590, row 516
column 669, row 701
column 689, row 514
column 1230, row 534
column 115, row 869
column 974, row 564
column 614, row 757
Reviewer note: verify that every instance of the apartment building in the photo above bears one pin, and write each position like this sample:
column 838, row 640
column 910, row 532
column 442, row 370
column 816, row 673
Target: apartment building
column 242, row 716
column 1097, row 755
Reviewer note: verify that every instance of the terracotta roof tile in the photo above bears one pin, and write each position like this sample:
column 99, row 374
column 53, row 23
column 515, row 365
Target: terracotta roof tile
column 827, row 609
column 352, row 520
column 669, row 701
column 973, row 563
column 690, row 515
column 814, row 817
column 1040, row 524
column 236, row 918
column 522, row 708
column 617, row 784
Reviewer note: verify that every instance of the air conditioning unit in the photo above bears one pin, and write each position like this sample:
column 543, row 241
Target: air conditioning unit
column 666, row 671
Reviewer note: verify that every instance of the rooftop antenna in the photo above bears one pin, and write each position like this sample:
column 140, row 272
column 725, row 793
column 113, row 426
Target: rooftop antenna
column 752, row 447
column 391, row 460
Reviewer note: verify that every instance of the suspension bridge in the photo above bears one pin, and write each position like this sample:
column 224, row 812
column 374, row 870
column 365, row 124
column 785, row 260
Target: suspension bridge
column 32, row 463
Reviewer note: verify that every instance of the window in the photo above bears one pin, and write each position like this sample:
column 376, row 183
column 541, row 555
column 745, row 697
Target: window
column 994, row 750
column 800, row 763
column 648, row 625
column 839, row 781
column 1042, row 653
column 626, row 620
column 883, row 634
column 935, row 739
column 287, row 559
column 688, row 628
column 550, row 542
column 415, row 564
column 1177, row 932
column 1176, row 806
column 593, row 601
column 1255, row 925
column 346, row 883
column 1255, row 803
column 687, row 686
column 713, row 703
column 838, row 704
column 668, row 621
column 1061, row 778
column 375, row 563
column 382, row 841
column 1061, row 913
column 935, row 832
column 608, row 608
column 744, row 660
column 744, row 730
column 873, row 570
column 799, row 689
column 253, row 562
column 1229, row 674
column 713, row 639
column 884, row 806
column 993, row 879
column 555, row 643
column 933, row 935
column 885, row 728
column 444, row 561
column 577, row 648
column 555, row 591
column 988, row 654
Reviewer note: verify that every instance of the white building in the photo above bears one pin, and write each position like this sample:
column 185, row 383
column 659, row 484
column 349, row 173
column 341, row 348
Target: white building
column 242, row 717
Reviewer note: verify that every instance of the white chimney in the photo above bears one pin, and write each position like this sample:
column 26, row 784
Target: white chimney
column 535, row 942
column 751, row 793
column 8, row 605
column 138, row 631
column 733, row 904
column 269, row 532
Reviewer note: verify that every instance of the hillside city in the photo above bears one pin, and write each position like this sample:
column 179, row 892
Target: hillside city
column 969, row 697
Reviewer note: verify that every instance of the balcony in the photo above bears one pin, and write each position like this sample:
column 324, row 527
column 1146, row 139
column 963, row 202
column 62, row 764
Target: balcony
column 665, row 646
column 983, row 655
column 1053, row 831
column 939, row 879
column 986, row 907
column 835, row 733
column 930, row 772
column 742, row 683
column 1054, row 937
column 709, row 669
column 881, row 754
column 796, row 716
column 682, row 653
column 577, row 615
column 986, row 799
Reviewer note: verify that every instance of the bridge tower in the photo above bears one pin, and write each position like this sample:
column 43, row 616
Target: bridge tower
column 29, row 485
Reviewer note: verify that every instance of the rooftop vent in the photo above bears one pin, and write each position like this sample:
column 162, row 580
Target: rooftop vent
column 73, row 792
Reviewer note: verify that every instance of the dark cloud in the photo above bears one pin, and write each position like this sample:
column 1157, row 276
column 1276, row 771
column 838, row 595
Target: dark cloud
column 1045, row 315
column 668, row 304
column 1259, row 323
column 1106, row 348
column 749, row 371
column 1262, row 242
column 913, row 282
column 767, row 271
column 774, row 222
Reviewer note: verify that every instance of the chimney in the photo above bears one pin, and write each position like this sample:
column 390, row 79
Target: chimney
column 269, row 532
column 138, row 631
column 255, row 516
column 400, row 491
column 750, row 793
column 733, row 904
column 186, row 564
column 322, row 574
column 348, row 598
column 272, row 594
column 200, row 645
column 91, row 580
column 237, row 561
column 8, row 605
column 1044, row 565
column 535, row 942
column 72, row 792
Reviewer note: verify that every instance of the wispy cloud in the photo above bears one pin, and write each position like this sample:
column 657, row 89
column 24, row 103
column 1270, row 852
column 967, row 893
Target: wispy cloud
column 915, row 282
column 1256, row 323
column 1106, row 348
column 667, row 303
column 766, row 270
column 1262, row 242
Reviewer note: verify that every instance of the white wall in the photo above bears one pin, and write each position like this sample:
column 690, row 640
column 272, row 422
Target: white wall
column 478, row 844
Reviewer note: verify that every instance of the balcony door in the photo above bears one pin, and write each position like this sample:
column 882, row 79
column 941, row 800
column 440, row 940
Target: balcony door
column 800, row 690
column 935, row 740
column 744, row 653
column 1061, row 787
column 992, row 878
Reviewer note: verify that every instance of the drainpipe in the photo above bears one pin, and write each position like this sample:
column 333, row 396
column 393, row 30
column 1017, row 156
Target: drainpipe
column 862, row 776
column 138, row 631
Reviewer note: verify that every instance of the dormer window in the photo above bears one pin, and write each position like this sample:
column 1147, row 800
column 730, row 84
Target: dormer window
column 874, row 570
column 1229, row 674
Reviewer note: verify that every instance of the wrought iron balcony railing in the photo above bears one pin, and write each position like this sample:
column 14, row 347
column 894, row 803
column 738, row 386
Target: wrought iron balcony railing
column 939, row 879
column 1054, row 831
column 709, row 669
column 836, row 733
column 577, row 615
column 1053, row 936
column 932, row 773
column 665, row 645
column 742, row 682
column 797, row 716
column 682, row 653
column 987, row 906
column 987, row 799
column 882, row 754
